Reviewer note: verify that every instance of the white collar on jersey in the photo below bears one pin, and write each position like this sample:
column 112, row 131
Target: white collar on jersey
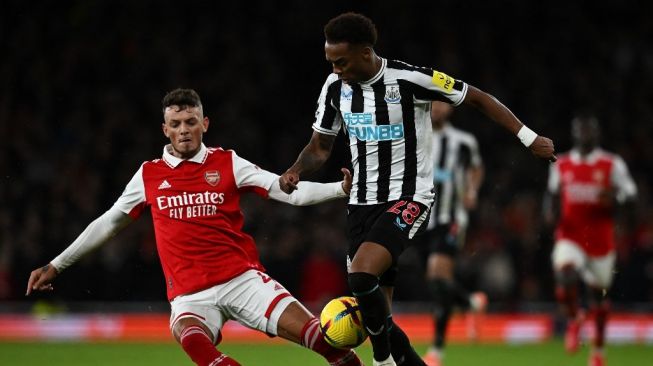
column 590, row 158
column 379, row 74
column 173, row 161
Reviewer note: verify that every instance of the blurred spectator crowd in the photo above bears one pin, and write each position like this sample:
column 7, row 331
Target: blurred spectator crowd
column 80, row 91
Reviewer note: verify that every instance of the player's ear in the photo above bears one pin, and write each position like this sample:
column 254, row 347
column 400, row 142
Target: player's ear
column 367, row 52
column 164, row 128
column 205, row 124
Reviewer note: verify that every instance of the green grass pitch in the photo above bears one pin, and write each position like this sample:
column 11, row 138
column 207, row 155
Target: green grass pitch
column 278, row 354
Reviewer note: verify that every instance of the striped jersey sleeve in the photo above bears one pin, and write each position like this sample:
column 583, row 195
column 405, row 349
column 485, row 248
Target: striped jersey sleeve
column 431, row 84
column 327, row 116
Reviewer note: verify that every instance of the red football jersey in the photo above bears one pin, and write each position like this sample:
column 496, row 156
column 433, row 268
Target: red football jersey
column 198, row 223
column 580, row 181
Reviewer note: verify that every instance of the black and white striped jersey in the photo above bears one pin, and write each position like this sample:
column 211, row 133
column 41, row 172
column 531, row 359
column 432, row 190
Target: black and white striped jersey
column 454, row 151
column 388, row 123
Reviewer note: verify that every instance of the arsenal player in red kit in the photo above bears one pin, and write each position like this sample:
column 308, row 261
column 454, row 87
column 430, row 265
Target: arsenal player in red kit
column 211, row 266
column 585, row 185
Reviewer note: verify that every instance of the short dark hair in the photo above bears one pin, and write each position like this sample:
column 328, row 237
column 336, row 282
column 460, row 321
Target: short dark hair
column 183, row 98
column 352, row 28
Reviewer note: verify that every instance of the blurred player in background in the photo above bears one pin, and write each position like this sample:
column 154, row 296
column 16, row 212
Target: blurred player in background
column 457, row 176
column 384, row 107
column 211, row 266
column 584, row 188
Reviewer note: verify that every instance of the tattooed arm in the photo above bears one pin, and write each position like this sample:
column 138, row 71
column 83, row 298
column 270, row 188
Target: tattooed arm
column 310, row 159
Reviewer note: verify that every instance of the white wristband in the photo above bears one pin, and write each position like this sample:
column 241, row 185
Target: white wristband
column 526, row 136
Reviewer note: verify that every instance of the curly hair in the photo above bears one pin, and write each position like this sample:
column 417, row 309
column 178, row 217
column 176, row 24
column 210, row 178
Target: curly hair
column 183, row 98
column 352, row 28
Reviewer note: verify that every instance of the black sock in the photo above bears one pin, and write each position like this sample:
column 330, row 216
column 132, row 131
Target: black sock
column 402, row 352
column 443, row 297
column 375, row 311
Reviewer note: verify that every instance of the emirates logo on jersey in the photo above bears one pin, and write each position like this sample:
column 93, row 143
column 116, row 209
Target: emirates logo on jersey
column 212, row 177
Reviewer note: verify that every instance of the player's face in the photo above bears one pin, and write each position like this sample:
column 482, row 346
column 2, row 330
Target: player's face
column 585, row 132
column 352, row 63
column 440, row 113
column 184, row 128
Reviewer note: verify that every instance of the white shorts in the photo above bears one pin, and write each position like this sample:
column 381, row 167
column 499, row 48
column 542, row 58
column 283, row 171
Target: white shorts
column 595, row 271
column 253, row 299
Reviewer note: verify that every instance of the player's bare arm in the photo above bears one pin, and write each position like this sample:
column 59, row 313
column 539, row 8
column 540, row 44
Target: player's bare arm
column 540, row 146
column 95, row 234
column 474, row 177
column 310, row 159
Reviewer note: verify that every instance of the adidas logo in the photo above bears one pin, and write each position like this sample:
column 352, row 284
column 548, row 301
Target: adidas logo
column 164, row 185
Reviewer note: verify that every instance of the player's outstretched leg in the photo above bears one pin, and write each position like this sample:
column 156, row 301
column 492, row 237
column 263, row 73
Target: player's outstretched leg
column 298, row 325
column 312, row 338
column 196, row 342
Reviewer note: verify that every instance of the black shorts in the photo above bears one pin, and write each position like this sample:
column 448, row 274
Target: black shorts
column 444, row 239
column 393, row 225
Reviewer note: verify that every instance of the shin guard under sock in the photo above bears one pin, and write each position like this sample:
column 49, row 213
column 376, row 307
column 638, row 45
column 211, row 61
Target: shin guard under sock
column 198, row 346
column 374, row 308
column 313, row 339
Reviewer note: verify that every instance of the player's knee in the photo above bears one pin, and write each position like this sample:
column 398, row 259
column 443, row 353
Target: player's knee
column 362, row 283
column 183, row 323
column 372, row 258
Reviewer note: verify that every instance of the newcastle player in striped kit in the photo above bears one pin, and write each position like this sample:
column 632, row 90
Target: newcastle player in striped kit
column 457, row 176
column 383, row 106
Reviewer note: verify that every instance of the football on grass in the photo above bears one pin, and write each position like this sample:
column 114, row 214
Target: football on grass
column 341, row 323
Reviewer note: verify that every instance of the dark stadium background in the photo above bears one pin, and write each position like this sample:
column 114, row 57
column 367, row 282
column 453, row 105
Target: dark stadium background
column 80, row 90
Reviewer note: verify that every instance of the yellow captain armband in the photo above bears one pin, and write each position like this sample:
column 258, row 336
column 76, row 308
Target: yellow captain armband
column 442, row 80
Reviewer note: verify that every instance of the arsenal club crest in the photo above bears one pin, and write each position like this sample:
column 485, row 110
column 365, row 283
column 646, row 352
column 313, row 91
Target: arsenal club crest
column 212, row 177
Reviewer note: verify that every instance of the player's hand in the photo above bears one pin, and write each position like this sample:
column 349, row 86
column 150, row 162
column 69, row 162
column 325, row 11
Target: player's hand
column 346, row 180
column 543, row 148
column 288, row 181
column 41, row 279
